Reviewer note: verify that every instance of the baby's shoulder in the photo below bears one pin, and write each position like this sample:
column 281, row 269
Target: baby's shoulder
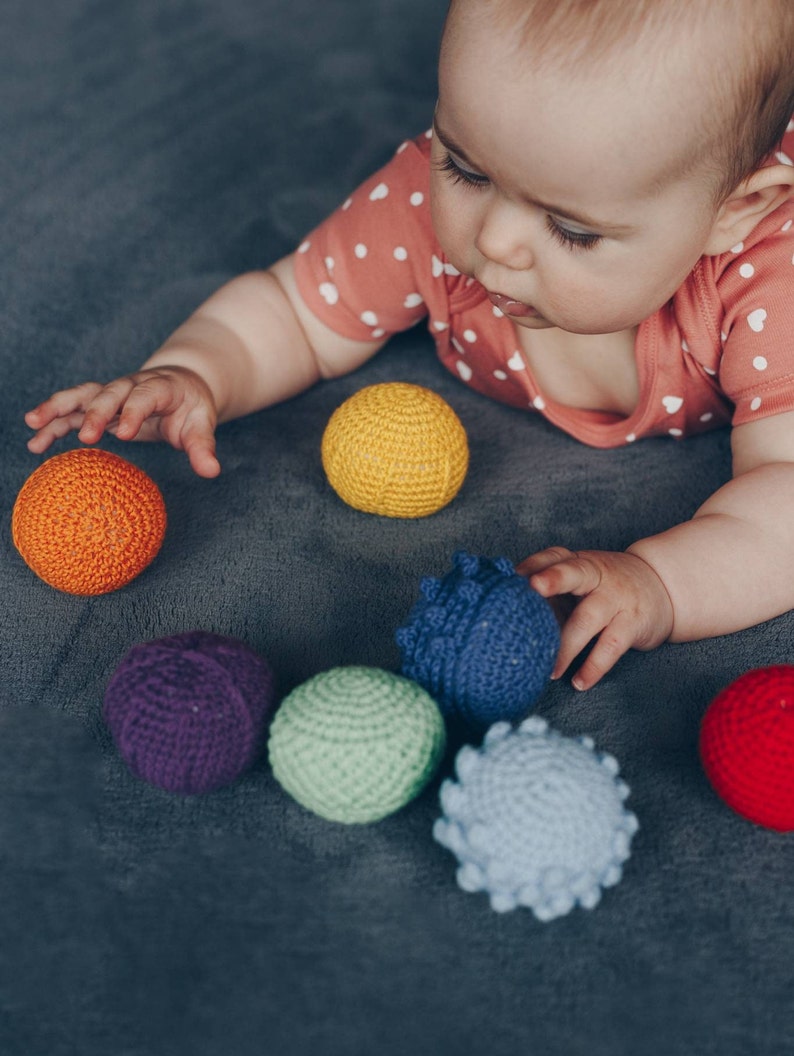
column 411, row 159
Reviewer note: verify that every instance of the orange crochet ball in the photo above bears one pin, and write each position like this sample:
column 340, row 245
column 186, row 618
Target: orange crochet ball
column 87, row 521
column 395, row 449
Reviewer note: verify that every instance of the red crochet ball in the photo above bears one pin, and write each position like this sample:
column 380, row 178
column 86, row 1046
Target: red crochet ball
column 747, row 746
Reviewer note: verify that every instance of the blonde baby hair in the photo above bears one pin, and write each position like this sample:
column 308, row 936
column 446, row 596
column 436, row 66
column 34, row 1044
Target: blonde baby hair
column 751, row 57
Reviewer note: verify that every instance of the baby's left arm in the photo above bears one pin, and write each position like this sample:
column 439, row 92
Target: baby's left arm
column 730, row 567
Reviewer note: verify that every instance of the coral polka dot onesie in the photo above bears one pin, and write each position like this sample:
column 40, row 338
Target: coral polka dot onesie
column 721, row 350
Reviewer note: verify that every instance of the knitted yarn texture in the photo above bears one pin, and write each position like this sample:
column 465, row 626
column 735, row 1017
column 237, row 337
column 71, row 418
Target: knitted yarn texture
column 747, row 746
column 395, row 449
column 536, row 819
column 480, row 640
column 88, row 521
column 355, row 744
column 189, row 712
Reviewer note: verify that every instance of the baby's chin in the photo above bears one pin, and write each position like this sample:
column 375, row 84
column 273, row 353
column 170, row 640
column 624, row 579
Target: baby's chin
column 533, row 322
column 580, row 327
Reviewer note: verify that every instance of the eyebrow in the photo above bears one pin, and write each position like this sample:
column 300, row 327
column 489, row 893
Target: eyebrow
column 565, row 214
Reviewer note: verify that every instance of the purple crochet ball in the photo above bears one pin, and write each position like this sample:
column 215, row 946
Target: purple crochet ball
column 189, row 712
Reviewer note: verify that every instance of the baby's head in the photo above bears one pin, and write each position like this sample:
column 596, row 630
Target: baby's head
column 588, row 152
column 737, row 55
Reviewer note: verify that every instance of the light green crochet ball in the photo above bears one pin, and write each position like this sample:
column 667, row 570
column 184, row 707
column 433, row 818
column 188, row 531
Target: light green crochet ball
column 355, row 744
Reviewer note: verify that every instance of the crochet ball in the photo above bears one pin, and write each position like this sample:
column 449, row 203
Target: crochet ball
column 395, row 449
column 189, row 712
column 354, row 744
column 480, row 640
column 536, row 819
column 747, row 746
column 87, row 521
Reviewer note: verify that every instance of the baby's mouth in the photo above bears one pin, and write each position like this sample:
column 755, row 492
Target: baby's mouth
column 508, row 306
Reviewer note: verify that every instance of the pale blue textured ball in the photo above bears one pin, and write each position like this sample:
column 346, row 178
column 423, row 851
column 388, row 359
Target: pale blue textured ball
column 536, row 819
column 481, row 641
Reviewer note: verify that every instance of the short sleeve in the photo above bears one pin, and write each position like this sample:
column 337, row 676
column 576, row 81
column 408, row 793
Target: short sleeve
column 756, row 289
column 367, row 270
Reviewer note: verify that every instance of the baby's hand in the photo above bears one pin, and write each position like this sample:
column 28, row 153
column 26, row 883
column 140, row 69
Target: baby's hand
column 624, row 604
column 160, row 403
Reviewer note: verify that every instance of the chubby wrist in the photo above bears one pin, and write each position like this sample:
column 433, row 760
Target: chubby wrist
column 644, row 550
column 688, row 562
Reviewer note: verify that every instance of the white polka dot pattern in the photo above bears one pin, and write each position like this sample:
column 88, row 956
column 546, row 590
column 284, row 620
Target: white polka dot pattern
column 719, row 351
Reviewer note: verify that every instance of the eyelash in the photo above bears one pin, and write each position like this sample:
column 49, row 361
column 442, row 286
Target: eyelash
column 458, row 175
column 572, row 240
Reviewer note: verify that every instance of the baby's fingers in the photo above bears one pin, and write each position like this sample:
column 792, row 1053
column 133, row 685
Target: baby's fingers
column 569, row 574
column 59, row 415
column 593, row 617
column 585, row 621
column 198, row 442
column 62, row 404
column 543, row 559
column 615, row 640
column 53, row 431
column 192, row 430
column 103, row 408
column 140, row 403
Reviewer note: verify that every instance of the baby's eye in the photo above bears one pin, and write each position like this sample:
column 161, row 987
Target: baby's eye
column 572, row 239
column 455, row 171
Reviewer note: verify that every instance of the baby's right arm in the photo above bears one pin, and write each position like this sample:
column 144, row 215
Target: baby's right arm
column 250, row 345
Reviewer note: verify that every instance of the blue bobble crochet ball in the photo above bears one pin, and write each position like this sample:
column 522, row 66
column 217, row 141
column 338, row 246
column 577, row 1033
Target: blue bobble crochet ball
column 481, row 641
column 536, row 819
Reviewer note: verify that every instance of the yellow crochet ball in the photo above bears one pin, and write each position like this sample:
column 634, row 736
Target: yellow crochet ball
column 395, row 449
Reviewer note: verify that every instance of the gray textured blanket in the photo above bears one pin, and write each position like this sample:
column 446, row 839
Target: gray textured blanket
column 150, row 150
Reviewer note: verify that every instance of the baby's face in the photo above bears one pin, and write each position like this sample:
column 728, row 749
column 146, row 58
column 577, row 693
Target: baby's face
column 563, row 194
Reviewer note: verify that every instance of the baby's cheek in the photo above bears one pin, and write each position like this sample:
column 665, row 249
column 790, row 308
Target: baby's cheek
column 452, row 224
column 448, row 233
column 577, row 305
column 595, row 307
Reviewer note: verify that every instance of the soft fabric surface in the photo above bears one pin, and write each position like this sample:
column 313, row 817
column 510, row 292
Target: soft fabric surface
column 150, row 150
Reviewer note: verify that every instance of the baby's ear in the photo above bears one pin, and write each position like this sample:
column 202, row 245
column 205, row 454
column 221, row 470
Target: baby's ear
column 754, row 198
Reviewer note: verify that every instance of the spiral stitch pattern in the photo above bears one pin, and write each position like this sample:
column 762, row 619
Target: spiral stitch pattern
column 188, row 712
column 395, row 449
column 747, row 746
column 354, row 744
column 88, row 521
column 536, row 819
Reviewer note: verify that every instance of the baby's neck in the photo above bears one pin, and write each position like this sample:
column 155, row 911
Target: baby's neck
column 591, row 371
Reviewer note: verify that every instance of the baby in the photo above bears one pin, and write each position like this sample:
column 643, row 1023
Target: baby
column 600, row 228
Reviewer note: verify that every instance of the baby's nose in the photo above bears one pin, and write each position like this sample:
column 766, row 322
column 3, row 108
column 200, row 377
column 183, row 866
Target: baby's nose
column 501, row 237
